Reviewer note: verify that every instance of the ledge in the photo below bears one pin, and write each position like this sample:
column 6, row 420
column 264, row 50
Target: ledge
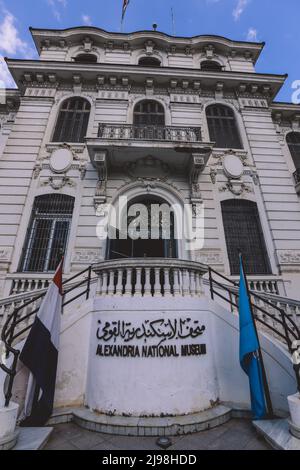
column 138, row 426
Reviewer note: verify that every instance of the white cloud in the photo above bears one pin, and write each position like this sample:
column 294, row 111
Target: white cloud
column 6, row 80
column 10, row 41
column 239, row 9
column 55, row 7
column 87, row 20
column 252, row 35
column 10, row 44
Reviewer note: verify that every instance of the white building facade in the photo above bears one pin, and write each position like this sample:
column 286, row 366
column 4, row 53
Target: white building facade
column 185, row 120
column 158, row 120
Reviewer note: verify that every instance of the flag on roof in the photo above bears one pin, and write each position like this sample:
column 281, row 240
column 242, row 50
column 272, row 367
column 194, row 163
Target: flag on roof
column 125, row 5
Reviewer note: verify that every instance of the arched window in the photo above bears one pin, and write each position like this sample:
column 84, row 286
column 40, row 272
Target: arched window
column 48, row 232
column 293, row 141
column 149, row 62
column 222, row 127
column 86, row 58
column 211, row 66
column 243, row 233
column 149, row 120
column 149, row 112
column 72, row 120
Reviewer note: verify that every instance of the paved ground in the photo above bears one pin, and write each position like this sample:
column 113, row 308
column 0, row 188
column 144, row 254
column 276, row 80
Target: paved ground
column 237, row 434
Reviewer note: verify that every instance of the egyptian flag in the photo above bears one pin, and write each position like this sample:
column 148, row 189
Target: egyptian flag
column 125, row 5
column 40, row 353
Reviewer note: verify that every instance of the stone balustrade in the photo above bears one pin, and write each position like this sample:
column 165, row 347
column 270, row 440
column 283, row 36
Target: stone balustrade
column 142, row 277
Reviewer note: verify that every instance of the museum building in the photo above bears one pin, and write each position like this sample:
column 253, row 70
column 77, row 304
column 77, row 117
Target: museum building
column 157, row 120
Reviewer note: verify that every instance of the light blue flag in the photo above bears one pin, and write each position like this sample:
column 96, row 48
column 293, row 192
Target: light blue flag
column 249, row 346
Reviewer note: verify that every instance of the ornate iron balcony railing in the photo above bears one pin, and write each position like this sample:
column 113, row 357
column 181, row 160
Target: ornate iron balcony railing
column 158, row 133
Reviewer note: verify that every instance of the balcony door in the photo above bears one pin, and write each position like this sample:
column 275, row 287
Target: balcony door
column 147, row 231
column 149, row 120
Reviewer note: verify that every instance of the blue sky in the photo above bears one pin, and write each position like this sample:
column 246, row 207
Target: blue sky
column 273, row 21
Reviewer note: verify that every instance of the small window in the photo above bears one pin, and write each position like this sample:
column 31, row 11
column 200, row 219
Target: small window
column 222, row 127
column 72, row 121
column 86, row 58
column 243, row 233
column 48, row 232
column 211, row 66
column 149, row 62
column 293, row 141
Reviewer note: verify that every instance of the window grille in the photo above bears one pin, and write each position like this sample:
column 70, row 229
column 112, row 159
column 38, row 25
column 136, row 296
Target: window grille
column 243, row 233
column 149, row 62
column 222, row 127
column 86, row 59
column 72, row 121
column 293, row 141
column 211, row 66
column 48, row 233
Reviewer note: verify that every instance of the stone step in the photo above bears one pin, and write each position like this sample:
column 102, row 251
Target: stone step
column 32, row 438
column 277, row 433
column 139, row 426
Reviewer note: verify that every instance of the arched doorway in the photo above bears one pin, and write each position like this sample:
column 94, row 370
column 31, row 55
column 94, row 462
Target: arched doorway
column 148, row 231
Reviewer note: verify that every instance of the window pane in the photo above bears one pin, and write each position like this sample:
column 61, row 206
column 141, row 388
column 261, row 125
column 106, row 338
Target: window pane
column 243, row 233
column 149, row 113
column 293, row 141
column 72, row 121
column 39, row 240
column 59, row 244
column 48, row 233
column 222, row 127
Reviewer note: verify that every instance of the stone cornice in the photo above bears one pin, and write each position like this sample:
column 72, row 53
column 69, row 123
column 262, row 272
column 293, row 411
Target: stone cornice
column 286, row 112
column 68, row 71
column 75, row 35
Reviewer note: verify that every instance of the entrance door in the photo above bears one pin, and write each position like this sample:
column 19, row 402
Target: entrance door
column 162, row 245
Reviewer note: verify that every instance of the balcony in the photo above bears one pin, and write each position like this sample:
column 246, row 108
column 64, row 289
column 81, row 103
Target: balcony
column 152, row 133
column 297, row 180
column 150, row 277
column 126, row 142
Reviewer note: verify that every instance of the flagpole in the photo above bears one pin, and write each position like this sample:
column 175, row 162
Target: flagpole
column 264, row 375
column 173, row 22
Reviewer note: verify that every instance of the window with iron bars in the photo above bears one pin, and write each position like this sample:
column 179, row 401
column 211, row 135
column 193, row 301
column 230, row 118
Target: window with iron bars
column 72, row 121
column 243, row 233
column 48, row 233
column 222, row 127
column 293, row 141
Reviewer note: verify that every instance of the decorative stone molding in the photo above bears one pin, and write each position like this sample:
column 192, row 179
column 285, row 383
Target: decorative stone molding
column 58, row 182
column 241, row 154
column 5, row 254
column 149, row 47
column 288, row 257
column 213, row 175
column 86, row 256
column 100, row 192
column 197, row 165
column 148, row 167
column 77, row 160
column 233, row 170
column 209, row 257
column 236, row 187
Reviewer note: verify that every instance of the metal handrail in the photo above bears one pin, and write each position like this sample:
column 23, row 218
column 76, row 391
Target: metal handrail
column 290, row 329
column 149, row 132
column 9, row 335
